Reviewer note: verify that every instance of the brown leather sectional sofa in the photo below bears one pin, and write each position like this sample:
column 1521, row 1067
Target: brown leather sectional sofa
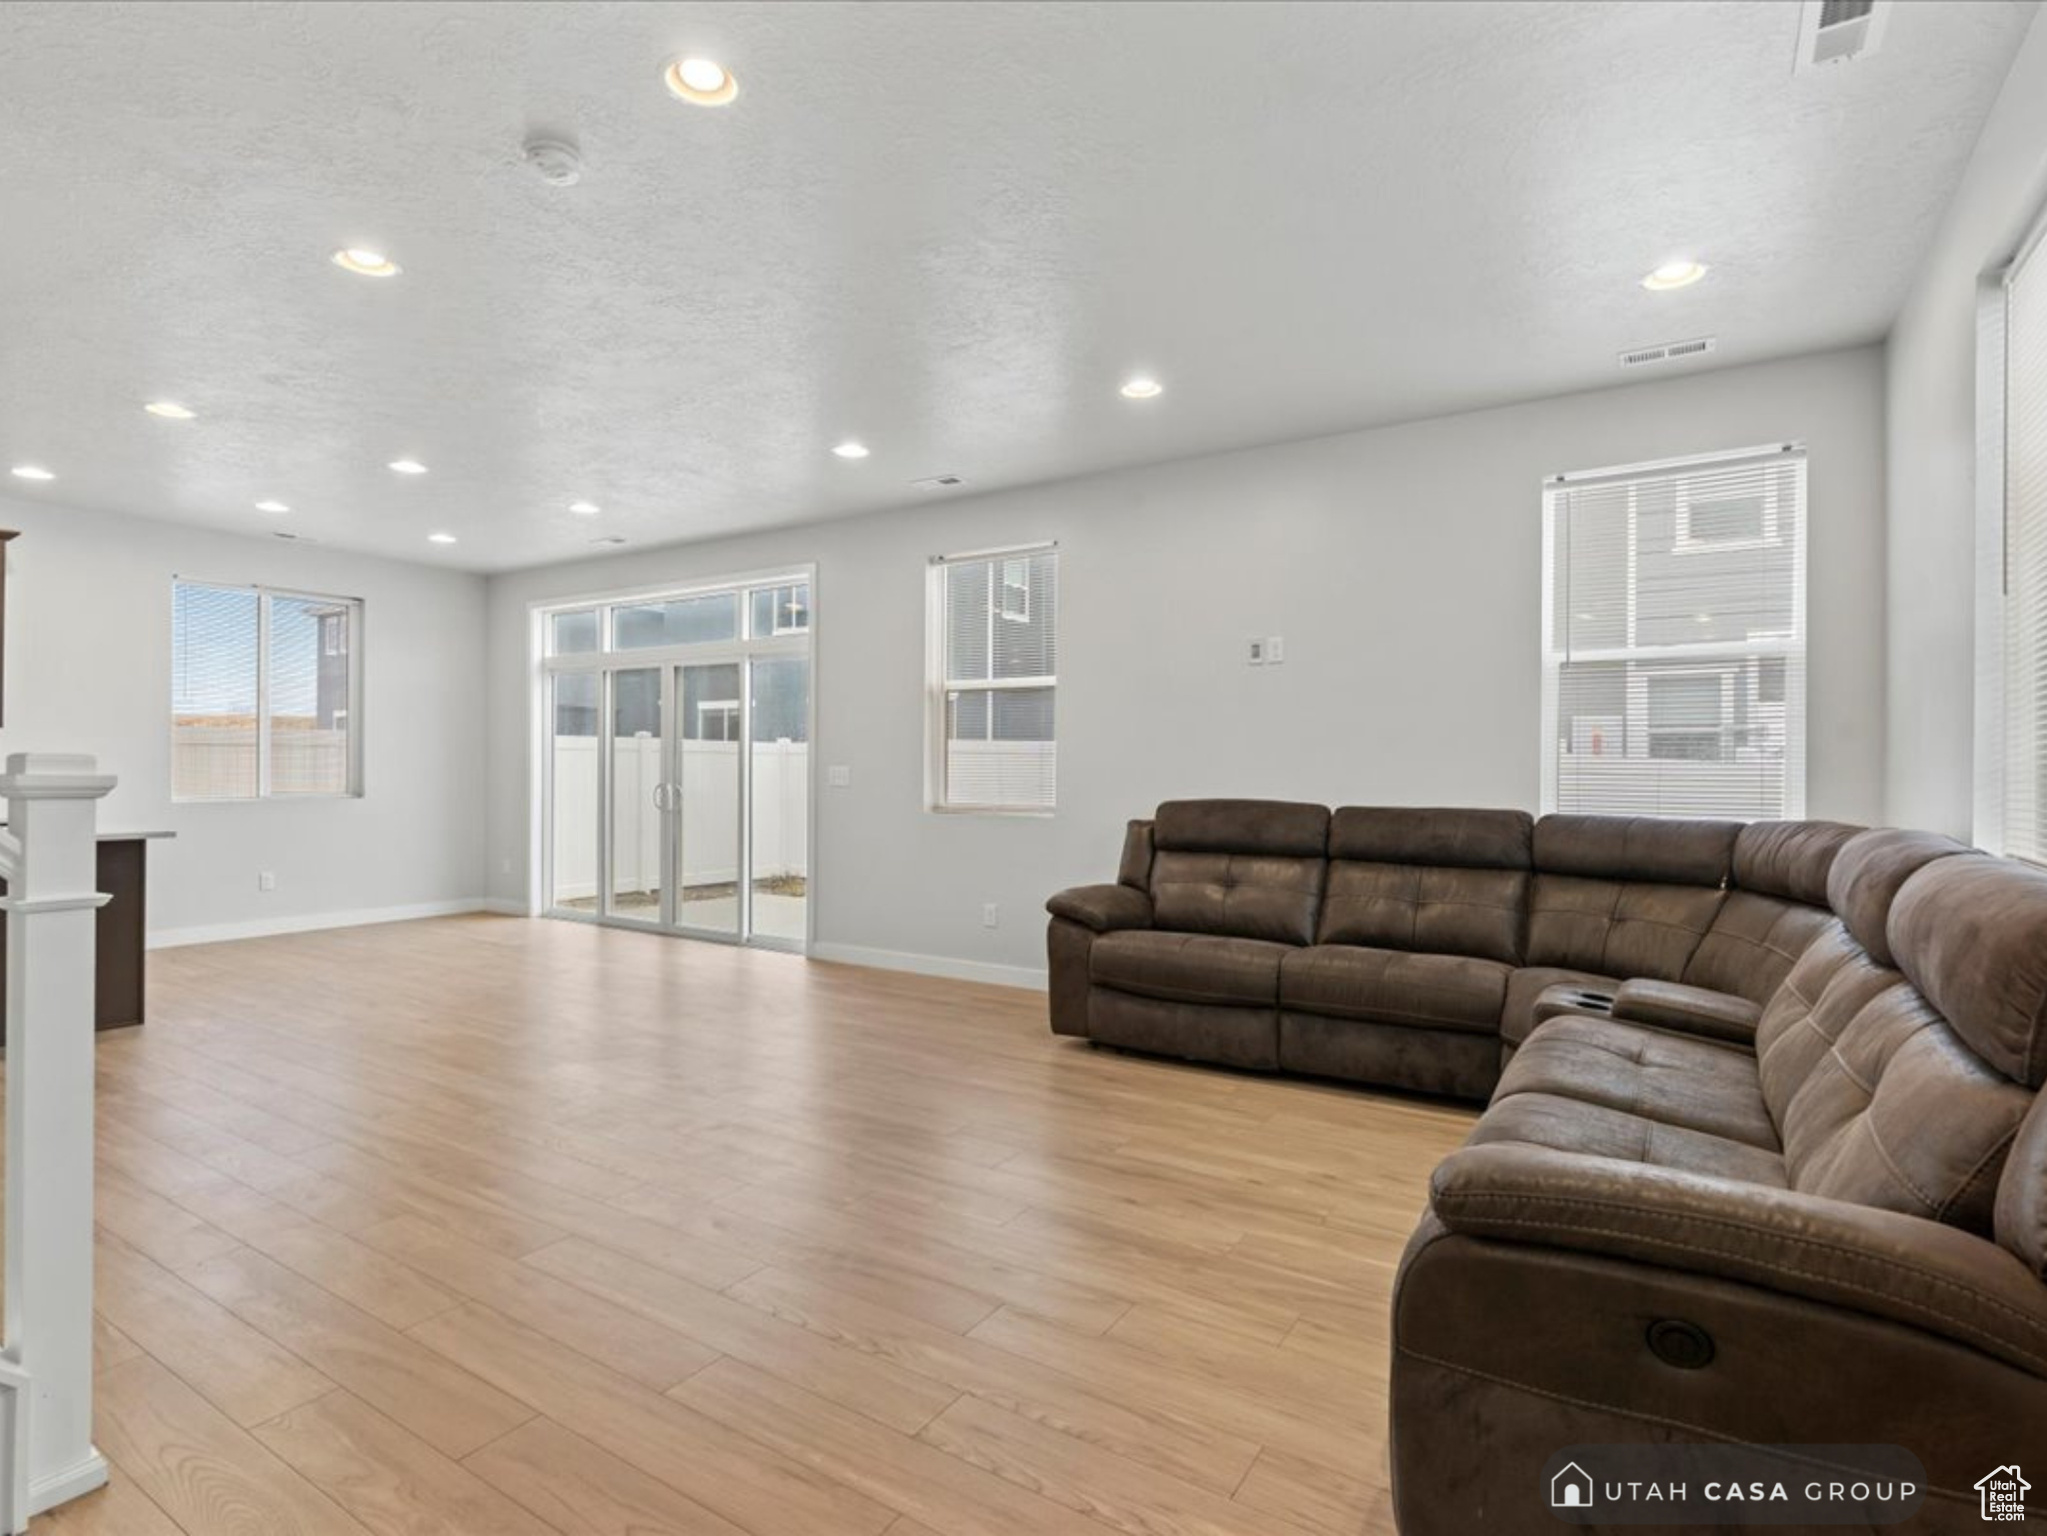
column 1797, row 1196
column 1415, row 948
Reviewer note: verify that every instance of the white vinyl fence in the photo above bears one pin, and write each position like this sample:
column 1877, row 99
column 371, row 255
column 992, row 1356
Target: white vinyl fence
column 215, row 762
column 710, row 813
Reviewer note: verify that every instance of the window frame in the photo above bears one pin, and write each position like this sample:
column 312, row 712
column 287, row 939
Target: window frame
column 939, row 688
column 355, row 610
column 1993, row 744
column 1740, row 659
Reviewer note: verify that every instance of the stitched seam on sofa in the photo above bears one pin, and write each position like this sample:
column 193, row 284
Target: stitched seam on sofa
column 1167, row 992
column 1989, row 1160
column 1612, row 911
column 1876, row 1140
column 1939, row 1281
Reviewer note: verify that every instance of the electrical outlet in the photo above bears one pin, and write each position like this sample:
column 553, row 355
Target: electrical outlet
column 1275, row 650
column 266, row 881
column 990, row 917
column 1254, row 651
column 839, row 776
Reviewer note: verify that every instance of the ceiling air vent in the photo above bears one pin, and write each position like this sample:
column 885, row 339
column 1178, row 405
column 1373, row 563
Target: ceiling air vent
column 1839, row 32
column 1668, row 352
column 938, row 482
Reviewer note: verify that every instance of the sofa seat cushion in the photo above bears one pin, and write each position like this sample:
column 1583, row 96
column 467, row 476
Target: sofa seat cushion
column 1698, row 1085
column 1517, row 1013
column 1391, row 986
column 1594, row 1130
column 1188, row 967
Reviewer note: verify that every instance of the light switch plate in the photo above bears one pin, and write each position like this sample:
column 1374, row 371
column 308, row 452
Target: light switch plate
column 839, row 776
column 1275, row 650
column 1254, row 652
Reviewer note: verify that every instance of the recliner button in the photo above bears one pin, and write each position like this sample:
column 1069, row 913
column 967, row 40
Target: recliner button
column 1686, row 1346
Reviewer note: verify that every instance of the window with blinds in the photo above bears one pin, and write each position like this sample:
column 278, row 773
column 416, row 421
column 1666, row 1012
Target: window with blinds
column 1674, row 638
column 263, row 693
column 2025, row 557
column 994, row 682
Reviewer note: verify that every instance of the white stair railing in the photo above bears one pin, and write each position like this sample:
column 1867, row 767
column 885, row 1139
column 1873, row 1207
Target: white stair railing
column 48, row 856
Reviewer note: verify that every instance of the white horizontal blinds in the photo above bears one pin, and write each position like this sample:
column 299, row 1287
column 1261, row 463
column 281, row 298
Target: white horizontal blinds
column 215, row 726
column 1000, row 680
column 1676, row 638
column 2025, row 604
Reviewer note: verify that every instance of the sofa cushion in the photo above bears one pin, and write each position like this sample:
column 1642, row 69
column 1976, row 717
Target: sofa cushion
column 1753, row 943
column 1187, row 967
column 1868, row 874
column 1393, row 987
column 1247, row 895
column 1134, row 868
column 1445, row 911
column 1656, row 849
column 1618, row 928
column 1877, row 1100
column 1287, row 828
column 1423, row 1060
column 1526, row 985
column 1789, row 858
column 1455, row 839
column 1696, row 1011
column 1595, row 1130
column 1696, row 1084
column 1971, row 932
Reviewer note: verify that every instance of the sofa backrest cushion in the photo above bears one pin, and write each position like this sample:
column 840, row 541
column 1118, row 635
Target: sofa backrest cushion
column 1868, row 873
column 1447, row 882
column 2022, row 1193
column 1251, row 869
column 1653, row 849
column 1626, row 895
column 1790, row 859
column 1877, row 1100
column 1753, row 943
column 1971, row 932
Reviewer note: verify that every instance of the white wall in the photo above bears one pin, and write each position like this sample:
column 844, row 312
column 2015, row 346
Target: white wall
column 89, row 669
column 1931, row 583
column 1401, row 564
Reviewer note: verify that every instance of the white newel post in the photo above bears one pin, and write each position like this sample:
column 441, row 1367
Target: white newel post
column 50, row 859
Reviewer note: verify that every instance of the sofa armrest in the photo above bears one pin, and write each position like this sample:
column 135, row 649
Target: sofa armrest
column 1104, row 908
column 1690, row 1010
column 1902, row 1268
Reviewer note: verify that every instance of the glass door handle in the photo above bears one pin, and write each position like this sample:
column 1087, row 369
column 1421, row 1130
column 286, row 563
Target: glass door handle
column 666, row 796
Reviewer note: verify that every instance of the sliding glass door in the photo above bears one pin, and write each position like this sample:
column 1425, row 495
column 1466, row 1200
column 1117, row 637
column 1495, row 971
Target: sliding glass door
column 676, row 763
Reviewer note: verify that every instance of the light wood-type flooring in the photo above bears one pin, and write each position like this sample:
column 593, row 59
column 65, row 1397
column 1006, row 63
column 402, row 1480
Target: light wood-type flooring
column 510, row 1228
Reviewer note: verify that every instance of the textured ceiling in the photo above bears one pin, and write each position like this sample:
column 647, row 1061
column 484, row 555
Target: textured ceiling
column 949, row 230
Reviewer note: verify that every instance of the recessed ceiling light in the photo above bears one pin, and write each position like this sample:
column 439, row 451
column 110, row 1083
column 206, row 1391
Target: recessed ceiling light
column 585, row 508
column 364, row 263
column 408, row 466
column 1674, row 274
column 851, row 450
column 271, row 506
column 170, row 410
column 705, row 82
column 440, row 538
column 1142, row 388
column 32, row 472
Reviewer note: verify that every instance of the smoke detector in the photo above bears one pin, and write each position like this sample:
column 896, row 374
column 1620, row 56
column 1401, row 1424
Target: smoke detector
column 555, row 161
column 1838, row 32
column 1669, row 351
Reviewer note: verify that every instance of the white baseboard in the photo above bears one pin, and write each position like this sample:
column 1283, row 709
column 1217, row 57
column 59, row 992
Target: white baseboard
column 308, row 922
column 54, row 1488
column 1030, row 977
column 506, row 906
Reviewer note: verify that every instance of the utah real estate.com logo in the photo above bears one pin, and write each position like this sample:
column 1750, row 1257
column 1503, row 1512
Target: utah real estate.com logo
column 2004, row 1494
